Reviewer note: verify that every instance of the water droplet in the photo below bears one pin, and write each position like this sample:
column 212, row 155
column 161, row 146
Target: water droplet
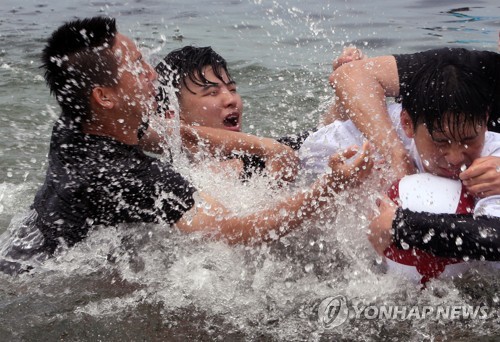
column 308, row 268
column 458, row 241
column 405, row 245
column 463, row 167
column 483, row 233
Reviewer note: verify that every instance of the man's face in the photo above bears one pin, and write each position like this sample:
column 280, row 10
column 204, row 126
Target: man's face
column 214, row 105
column 135, row 88
column 444, row 153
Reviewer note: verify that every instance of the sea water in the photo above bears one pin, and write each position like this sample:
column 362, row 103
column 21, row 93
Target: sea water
column 149, row 282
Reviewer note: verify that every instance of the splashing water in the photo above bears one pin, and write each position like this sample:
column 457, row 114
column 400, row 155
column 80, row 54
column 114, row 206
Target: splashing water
column 129, row 277
column 149, row 282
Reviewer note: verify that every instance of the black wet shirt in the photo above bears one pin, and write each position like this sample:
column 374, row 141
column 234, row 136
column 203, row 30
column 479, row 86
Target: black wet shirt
column 94, row 180
column 438, row 234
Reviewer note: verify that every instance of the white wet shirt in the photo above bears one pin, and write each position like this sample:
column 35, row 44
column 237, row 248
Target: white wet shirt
column 339, row 135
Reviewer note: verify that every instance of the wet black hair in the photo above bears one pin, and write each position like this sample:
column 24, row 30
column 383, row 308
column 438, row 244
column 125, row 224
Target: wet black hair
column 76, row 58
column 188, row 63
column 449, row 93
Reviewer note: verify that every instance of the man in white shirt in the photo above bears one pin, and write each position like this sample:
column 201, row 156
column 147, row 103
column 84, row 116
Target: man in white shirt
column 443, row 125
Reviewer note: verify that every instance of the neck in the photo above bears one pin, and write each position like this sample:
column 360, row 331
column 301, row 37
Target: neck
column 113, row 129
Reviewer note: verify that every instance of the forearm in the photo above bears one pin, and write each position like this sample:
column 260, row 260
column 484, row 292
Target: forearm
column 282, row 218
column 361, row 88
column 279, row 159
column 290, row 213
column 228, row 142
column 448, row 235
column 210, row 216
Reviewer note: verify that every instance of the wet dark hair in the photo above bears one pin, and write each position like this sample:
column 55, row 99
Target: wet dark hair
column 77, row 58
column 449, row 93
column 188, row 63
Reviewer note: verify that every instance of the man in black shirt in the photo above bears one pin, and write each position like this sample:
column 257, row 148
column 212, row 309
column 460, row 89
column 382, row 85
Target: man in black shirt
column 97, row 175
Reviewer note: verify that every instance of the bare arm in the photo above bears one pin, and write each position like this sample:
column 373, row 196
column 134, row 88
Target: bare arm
column 281, row 161
column 272, row 223
column 361, row 87
column 335, row 111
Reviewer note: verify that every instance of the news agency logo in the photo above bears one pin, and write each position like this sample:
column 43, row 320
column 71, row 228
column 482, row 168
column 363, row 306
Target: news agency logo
column 335, row 311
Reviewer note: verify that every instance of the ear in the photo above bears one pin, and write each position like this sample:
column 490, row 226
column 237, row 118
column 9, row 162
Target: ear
column 103, row 97
column 407, row 124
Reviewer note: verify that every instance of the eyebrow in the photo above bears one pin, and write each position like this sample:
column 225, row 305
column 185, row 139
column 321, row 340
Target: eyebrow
column 211, row 85
column 217, row 84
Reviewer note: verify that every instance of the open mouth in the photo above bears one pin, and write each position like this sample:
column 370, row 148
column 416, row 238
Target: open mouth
column 232, row 121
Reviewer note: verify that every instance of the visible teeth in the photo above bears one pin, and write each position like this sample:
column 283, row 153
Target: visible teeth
column 463, row 167
column 231, row 121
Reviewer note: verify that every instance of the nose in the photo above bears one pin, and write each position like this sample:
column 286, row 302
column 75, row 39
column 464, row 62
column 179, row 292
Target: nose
column 229, row 97
column 455, row 155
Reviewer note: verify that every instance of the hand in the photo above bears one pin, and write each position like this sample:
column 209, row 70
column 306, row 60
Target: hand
column 344, row 174
column 380, row 228
column 284, row 166
column 349, row 54
column 482, row 178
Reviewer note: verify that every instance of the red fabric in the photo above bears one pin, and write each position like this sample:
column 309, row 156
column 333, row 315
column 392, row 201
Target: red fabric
column 428, row 265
